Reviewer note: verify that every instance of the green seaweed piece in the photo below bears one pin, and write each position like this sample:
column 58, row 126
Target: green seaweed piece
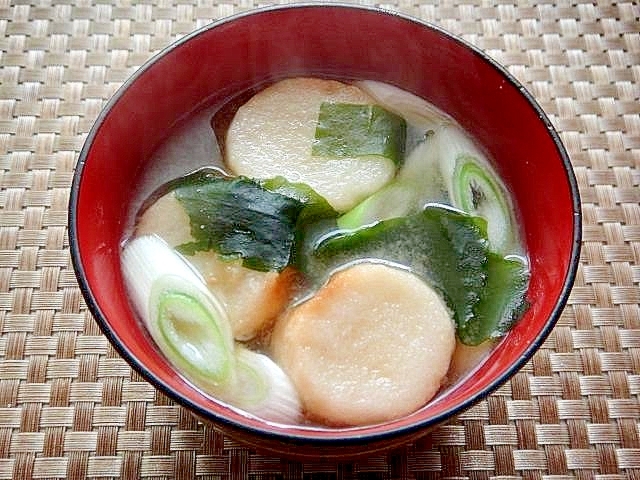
column 449, row 250
column 502, row 301
column 354, row 130
column 314, row 205
column 236, row 217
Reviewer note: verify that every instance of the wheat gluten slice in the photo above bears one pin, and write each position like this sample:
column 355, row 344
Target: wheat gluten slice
column 372, row 345
column 272, row 134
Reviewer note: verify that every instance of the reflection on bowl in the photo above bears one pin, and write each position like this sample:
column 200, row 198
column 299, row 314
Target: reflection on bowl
column 345, row 43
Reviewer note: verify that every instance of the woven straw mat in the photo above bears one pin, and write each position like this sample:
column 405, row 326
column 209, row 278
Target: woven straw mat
column 70, row 407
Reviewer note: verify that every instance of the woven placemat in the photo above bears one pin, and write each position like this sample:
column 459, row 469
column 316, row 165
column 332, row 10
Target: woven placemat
column 70, row 407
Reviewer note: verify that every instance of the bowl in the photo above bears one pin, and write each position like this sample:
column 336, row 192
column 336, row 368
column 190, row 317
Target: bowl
column 344, row 42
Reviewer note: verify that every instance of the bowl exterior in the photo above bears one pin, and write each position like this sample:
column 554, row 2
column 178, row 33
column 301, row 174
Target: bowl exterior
column 342, row 42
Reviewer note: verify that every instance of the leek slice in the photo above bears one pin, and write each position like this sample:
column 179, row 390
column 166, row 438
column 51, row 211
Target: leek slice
column 417, row 183
column 393, row 200
column 185, row 319
column 476, row 191
column 415, row 109
column 264, row 389
column 188, row 330
column 190, row 327
column 475, row 188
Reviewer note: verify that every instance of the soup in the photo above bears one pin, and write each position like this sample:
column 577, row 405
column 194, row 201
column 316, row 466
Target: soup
column 336, row 253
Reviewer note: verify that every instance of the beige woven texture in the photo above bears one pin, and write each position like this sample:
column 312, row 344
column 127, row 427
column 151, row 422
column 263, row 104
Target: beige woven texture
column 71, row 407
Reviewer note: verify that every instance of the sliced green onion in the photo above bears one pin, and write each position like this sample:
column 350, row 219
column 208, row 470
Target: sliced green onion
column 263, row 389
column 476, row 191
column 394, row 200
column 190, row 332
column 417, row 183
column 190, row 326
column 475, row 188
column 415, row 109
column 187, row 322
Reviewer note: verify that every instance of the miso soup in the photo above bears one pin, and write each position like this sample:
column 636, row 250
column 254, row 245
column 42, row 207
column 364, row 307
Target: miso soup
column 325, row 253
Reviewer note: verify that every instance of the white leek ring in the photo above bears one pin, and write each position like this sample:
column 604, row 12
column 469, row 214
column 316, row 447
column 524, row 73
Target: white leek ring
column 187, row 322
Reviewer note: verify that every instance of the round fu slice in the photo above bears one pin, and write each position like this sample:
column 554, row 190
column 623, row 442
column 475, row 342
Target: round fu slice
column 273, row 135
column 372, row 345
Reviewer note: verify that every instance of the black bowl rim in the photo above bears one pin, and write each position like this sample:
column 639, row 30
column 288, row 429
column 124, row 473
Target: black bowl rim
column 352, row 438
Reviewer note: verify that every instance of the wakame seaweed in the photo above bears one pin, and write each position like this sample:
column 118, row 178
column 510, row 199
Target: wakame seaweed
column 242, row 218
column 501, row 303
column 354, row 130
column 315, row 206
column 449, row 249
column 273, row 223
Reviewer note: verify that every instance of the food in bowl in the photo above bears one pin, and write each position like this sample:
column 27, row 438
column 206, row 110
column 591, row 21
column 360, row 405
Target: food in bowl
column 338, row 264
column 232, row 56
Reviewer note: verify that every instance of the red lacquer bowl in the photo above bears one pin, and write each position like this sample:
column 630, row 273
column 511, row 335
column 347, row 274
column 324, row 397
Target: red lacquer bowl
column 345, row 42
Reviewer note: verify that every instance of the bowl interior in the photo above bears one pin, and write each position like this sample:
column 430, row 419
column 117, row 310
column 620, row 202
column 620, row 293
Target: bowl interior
column 346, row 43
